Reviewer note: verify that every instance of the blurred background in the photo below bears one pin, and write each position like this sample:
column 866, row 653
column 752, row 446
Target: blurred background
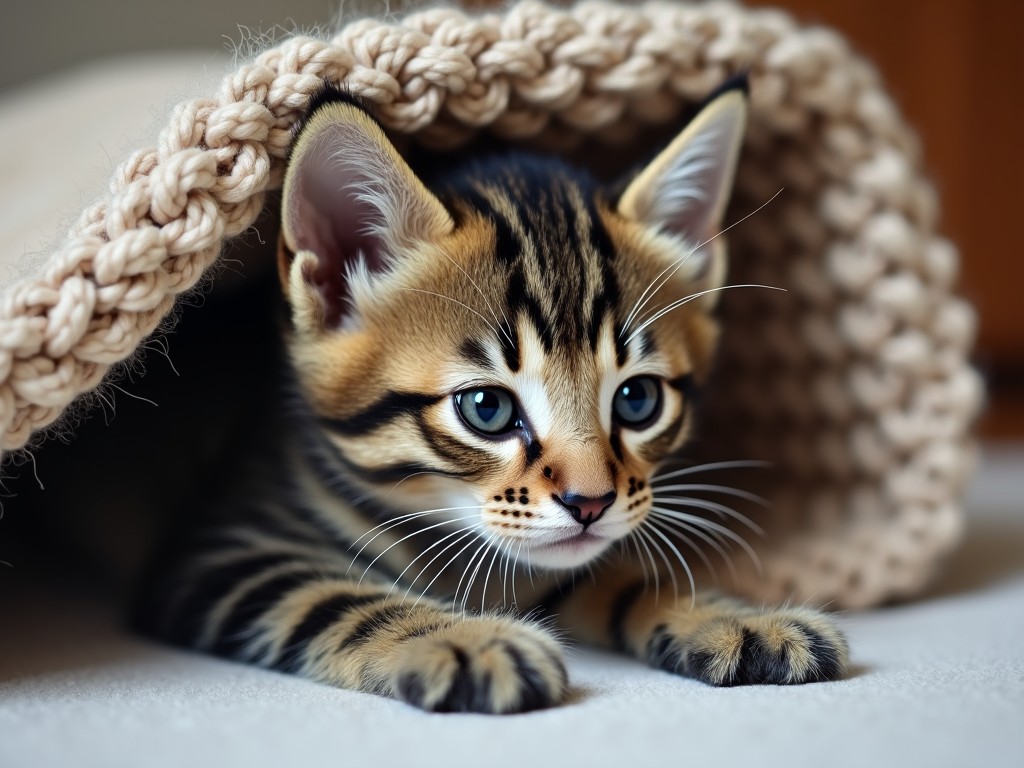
column 954, row 66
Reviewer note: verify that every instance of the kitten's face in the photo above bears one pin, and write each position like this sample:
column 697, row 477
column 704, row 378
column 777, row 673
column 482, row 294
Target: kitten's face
column 492, row 351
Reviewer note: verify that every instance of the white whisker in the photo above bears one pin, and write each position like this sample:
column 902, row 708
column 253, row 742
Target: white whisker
column 483, row 296
column 453, row 558
column 455, row 598
column 519, row 551
column 682, row 562
column 529, row 568
column 693, row 297
column 371, row 494
column 503, row 571
column 660, row 521
column 424, row 552
column 671, row 269
column 386, row 525
column 713, row 541
column 393, row 522
column 412, row 475
column 712, row 506
column 633, row 537
column 409, row 536
column 456, row 301
column 644, row 538
column 701, row 522
column 647, row 528
column 727, row 490
column 487, row 578
column 712, row 466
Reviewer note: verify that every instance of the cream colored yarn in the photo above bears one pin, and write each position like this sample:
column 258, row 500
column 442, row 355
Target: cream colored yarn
column 855, row 381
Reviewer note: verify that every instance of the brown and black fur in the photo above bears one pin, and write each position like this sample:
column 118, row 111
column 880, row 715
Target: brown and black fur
column 513, row 271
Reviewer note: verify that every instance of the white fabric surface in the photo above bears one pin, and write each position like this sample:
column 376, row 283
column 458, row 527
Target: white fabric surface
column 939, row 682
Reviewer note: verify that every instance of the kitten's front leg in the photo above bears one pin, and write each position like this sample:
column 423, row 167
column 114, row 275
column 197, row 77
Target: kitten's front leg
column 718, row 639
column 422, row 653
column 286, row 613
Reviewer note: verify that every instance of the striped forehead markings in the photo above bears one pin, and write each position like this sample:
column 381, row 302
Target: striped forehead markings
column 473, row 350
column 636, row 347
column 544, row 223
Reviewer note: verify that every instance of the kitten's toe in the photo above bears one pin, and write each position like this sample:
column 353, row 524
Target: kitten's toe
column 483, row 665
column 779, row 647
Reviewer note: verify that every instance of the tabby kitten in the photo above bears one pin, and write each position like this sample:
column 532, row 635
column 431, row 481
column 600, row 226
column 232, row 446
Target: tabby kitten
column 487, row 370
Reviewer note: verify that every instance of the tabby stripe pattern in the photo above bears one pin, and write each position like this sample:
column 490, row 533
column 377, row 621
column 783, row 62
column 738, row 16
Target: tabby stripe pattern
column 488, row 363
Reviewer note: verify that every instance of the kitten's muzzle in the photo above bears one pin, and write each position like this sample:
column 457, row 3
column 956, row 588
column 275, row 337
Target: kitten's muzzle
column 586, row 510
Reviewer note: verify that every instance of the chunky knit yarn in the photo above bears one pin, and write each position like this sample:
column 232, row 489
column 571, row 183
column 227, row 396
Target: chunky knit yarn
column 855, row 382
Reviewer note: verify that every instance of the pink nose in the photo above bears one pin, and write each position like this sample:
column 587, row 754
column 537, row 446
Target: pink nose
column 585, row 509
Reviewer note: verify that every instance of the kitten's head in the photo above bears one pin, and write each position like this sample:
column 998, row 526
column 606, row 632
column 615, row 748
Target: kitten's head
column 516, row 343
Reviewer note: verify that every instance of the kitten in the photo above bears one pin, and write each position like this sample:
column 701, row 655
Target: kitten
column 487, row 369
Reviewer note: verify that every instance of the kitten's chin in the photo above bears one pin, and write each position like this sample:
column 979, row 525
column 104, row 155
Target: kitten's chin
column 568, row 553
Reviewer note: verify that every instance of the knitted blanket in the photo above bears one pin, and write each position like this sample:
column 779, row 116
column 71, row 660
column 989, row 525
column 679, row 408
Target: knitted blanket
column 854, row 382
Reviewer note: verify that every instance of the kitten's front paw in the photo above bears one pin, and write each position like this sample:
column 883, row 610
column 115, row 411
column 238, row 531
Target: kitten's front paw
column 784, row 647
column 489, row 665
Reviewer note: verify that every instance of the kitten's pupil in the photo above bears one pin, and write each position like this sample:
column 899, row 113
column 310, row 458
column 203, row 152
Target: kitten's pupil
column 487, row 405
column 637, row 400
column 488, row 410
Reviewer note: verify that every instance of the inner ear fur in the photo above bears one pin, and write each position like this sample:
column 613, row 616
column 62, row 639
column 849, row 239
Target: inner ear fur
column 684, row 191
column 351, row 207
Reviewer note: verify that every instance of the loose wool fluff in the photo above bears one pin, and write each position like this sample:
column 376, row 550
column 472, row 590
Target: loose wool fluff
column 854, row 384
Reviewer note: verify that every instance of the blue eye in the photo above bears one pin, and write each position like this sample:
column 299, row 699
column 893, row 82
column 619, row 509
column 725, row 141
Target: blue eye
column 638, row 402
column 488, row 410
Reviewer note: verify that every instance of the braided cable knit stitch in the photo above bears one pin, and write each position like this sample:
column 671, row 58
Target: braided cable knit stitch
column 855, row 381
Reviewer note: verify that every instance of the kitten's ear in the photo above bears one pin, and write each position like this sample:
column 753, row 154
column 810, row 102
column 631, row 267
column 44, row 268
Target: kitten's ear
column 684, row 191
column 351, row 207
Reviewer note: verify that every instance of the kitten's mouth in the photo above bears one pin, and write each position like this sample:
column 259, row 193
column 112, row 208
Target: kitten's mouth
column 581, row 539
column 569, row 551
